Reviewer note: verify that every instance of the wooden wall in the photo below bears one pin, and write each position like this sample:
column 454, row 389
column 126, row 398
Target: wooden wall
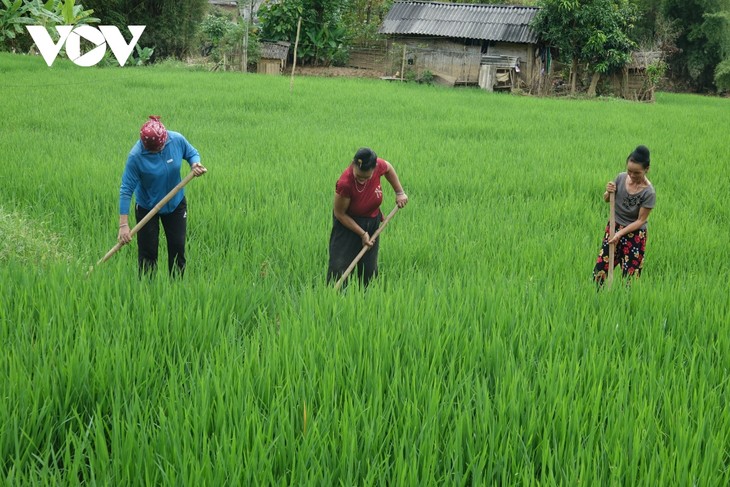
column 526, row 52
column 453, row 58
column 269, row 66
column 631, row 84
column 440, row 56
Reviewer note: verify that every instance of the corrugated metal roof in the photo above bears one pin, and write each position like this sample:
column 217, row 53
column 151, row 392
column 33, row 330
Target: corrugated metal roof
column 470, row 21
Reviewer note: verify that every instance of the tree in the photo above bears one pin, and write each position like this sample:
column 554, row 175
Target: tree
column 557, row 24
column 594, row 32
column 608, row 46
column 645, row 28
column 248, row 10
column 172, row 25
column 722, row 76
column 362, row 18
column 323, row 38
column 722, row 70
column 214, row 28
column 49, row 13
column 703, row 40
column 13, row 19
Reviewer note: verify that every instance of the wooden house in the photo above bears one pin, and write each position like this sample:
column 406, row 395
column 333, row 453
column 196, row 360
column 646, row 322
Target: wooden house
column 490, row 45
column 273, row 57
column 634, row 82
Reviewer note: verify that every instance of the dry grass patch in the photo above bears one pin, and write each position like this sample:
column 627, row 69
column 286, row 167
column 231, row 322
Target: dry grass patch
column 28, row 241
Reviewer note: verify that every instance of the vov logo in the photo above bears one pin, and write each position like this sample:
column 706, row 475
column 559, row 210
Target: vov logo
column 71, row 36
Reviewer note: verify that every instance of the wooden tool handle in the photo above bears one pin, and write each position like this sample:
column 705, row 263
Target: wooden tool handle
column 365, row 248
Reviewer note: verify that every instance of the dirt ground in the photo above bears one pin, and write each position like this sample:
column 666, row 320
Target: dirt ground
column 333, row 71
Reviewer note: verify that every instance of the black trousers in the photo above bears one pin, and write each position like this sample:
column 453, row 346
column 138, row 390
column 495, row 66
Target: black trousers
column 148, row 238
column 346, row 244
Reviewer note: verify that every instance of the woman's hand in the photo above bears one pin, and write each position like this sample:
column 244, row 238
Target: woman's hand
column 401, row 199
column 610, row 188
column 124, row 236
column 198, row 169
column 616, row 237
column 365, row 237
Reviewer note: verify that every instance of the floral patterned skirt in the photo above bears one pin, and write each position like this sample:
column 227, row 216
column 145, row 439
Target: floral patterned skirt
column 629, row 254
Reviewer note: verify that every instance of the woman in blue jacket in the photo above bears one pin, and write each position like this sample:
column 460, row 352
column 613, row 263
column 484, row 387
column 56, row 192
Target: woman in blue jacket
column 152, row 171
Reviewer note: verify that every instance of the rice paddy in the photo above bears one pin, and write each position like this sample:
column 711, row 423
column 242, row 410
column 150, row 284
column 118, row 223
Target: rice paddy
column 481, row 355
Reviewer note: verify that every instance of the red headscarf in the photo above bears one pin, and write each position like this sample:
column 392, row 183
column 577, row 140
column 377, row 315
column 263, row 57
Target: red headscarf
column 153, row 134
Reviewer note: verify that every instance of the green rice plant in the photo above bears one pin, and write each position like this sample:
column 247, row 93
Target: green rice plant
column 481, row 355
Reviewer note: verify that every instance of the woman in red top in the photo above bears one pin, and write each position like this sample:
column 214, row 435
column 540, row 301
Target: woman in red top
column 357, row 215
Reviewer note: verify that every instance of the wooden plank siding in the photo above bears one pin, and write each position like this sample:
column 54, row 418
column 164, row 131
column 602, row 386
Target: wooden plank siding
column 445, row 56
column 438, row 55
column 631, row 84
column 524, row 52
column 374, row 58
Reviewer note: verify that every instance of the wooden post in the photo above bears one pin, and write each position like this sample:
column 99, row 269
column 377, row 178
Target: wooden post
column 244, row 61
column 147, row 217
column 403, row 63
column 365, row 248
column 244, row 46
column 611, row 233
column 294, row 64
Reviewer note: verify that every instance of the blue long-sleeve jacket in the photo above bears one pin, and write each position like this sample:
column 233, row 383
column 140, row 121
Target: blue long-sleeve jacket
column 151, row 175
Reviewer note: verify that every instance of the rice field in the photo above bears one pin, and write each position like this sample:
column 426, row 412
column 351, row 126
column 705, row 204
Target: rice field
column 481, row 355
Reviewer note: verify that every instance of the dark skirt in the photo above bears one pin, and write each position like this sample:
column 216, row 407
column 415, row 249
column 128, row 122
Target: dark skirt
column 346, row 244
column 629, row 255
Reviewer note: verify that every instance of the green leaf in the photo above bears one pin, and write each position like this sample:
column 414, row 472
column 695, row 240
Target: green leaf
column 68, row 12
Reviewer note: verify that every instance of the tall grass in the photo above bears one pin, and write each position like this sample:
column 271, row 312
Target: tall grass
column 481, row 355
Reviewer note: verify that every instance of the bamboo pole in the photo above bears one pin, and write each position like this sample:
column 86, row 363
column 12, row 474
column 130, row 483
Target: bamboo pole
column 403, row 63
column 365, row 248
column 244, row 60
column 611, row 233
column 147, row 217
column 294, row 64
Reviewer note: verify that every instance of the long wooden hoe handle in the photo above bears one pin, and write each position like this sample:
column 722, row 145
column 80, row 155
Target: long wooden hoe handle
column 611, row 233
column 149, row 215
column 365, row 248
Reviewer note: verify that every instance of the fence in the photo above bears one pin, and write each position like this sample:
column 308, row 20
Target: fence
column 416, row 62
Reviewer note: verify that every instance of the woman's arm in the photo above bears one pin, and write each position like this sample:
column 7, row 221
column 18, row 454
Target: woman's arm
column 341, row 205
column 401, row 198
column 643, row 217
column 610, row 188
column 130, row 180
